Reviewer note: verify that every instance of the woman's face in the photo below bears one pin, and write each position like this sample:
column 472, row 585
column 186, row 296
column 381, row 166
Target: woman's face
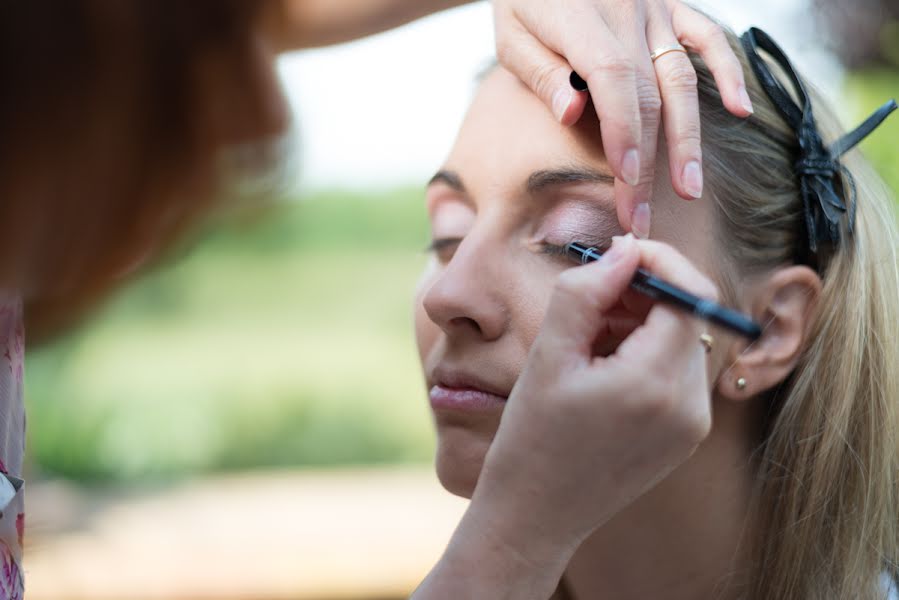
column 516, row 186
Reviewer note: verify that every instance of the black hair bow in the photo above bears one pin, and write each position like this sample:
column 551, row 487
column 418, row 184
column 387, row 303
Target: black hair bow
column 818, row 167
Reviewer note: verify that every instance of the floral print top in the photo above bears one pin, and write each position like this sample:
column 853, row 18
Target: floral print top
column 12, row 446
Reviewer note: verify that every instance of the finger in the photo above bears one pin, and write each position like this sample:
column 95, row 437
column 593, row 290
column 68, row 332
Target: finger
column 628, row 23
column 664, row 340
column 707, row 38
column 581, row 296
column 544, row 71
column 632, row 202
column 597, row 55
column 680, row 107
column 667, row 329
column 600, row 58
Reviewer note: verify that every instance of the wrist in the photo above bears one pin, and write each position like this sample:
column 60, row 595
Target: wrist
column 484, row 560
column 517, row 530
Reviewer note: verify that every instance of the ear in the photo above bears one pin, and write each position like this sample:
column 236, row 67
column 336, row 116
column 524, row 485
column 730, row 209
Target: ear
column 784, row 303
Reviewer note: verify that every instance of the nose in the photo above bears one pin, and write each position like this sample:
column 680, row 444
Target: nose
column 467, row 299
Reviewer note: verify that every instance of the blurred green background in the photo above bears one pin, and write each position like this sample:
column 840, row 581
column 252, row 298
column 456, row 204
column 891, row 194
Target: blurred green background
column 867, row 90
column 286, row 340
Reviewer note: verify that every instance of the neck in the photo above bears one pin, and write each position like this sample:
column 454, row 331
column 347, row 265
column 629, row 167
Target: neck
column 686, row 539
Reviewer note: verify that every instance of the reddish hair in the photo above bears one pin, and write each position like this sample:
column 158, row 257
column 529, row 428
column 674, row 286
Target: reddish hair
column 113, row 115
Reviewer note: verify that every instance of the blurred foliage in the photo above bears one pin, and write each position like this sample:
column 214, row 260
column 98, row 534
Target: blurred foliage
column 284, row 341
column 863, row 33
column 867, row 90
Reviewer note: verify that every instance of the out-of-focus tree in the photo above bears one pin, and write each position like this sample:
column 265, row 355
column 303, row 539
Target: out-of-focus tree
column 864, row 33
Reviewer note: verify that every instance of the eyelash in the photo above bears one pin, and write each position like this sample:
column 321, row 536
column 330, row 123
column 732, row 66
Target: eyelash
column 443, row 248
column 554, row 250
column 440, row 246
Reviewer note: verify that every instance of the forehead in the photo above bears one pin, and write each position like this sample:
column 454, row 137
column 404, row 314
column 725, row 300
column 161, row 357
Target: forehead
column 509, row 131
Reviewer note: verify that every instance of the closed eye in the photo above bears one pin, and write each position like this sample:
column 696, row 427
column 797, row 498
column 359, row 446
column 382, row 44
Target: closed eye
column 587, row 240
column 444, row 248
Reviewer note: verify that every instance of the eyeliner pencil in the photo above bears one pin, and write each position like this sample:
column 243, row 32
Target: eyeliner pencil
column 661, row 290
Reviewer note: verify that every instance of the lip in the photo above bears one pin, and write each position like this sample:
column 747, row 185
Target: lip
column 464, row 399
column 463, row 392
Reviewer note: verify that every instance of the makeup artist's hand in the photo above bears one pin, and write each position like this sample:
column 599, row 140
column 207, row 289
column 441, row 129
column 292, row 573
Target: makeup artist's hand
column 608, row 42
column 582, row 434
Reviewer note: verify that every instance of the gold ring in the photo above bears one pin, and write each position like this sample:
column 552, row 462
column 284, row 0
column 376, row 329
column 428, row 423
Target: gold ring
column 665, row 50
column 707, row 342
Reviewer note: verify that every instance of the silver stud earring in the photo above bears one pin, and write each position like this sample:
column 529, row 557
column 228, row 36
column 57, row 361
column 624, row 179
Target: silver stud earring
column 741, row 384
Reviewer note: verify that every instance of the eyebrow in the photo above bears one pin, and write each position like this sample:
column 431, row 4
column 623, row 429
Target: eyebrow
column 537, row 181
column 540, row 180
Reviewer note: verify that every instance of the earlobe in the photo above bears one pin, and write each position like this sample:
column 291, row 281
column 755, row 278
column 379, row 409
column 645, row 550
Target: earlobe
column 784, row 303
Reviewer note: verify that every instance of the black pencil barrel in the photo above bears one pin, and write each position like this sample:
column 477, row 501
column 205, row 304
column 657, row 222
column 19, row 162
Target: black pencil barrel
column 659, row 289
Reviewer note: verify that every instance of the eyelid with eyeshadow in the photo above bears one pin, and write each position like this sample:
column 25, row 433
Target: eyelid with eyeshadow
column 570, row 220
column 581, row 238
column 559, row 238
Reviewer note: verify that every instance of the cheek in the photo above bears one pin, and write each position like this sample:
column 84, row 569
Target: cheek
column 426, row 331
column 535, row 292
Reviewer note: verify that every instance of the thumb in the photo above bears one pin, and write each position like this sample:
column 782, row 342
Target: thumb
column 545, row 72
column 582, row 296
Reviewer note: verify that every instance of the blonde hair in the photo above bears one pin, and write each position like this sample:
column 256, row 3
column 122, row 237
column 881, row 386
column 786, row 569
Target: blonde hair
column 826, row 500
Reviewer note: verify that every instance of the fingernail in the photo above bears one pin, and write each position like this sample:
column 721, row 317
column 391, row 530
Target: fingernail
column 641, row 220
column 561, row 102
column 617, row 250
column 692, row 178
column 744, row 100
column 630, row 167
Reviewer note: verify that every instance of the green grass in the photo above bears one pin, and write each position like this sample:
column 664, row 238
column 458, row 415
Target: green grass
column 286, row 341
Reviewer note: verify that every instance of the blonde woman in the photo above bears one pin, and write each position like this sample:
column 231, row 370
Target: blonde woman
column 793, row 493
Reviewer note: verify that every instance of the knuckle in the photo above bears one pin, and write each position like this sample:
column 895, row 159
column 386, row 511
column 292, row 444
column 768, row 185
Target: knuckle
column 713, row 33
column 616, row 65
column 541, row 79
column 716, row 35
column 689, row 137
column 681, row 75
column 649, row 98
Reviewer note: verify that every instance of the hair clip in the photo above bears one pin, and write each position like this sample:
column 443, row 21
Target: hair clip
column 818, row 167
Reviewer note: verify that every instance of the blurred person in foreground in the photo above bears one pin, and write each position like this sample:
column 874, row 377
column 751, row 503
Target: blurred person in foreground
column 121, row 121
column 794, row 492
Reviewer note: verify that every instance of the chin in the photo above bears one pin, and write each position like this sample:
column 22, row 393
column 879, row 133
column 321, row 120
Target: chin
column 460, row 458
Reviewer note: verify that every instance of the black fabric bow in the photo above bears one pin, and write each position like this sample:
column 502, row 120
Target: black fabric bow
column 818, row 167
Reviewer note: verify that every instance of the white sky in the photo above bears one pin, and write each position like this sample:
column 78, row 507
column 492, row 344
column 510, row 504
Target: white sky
column 384, row 111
